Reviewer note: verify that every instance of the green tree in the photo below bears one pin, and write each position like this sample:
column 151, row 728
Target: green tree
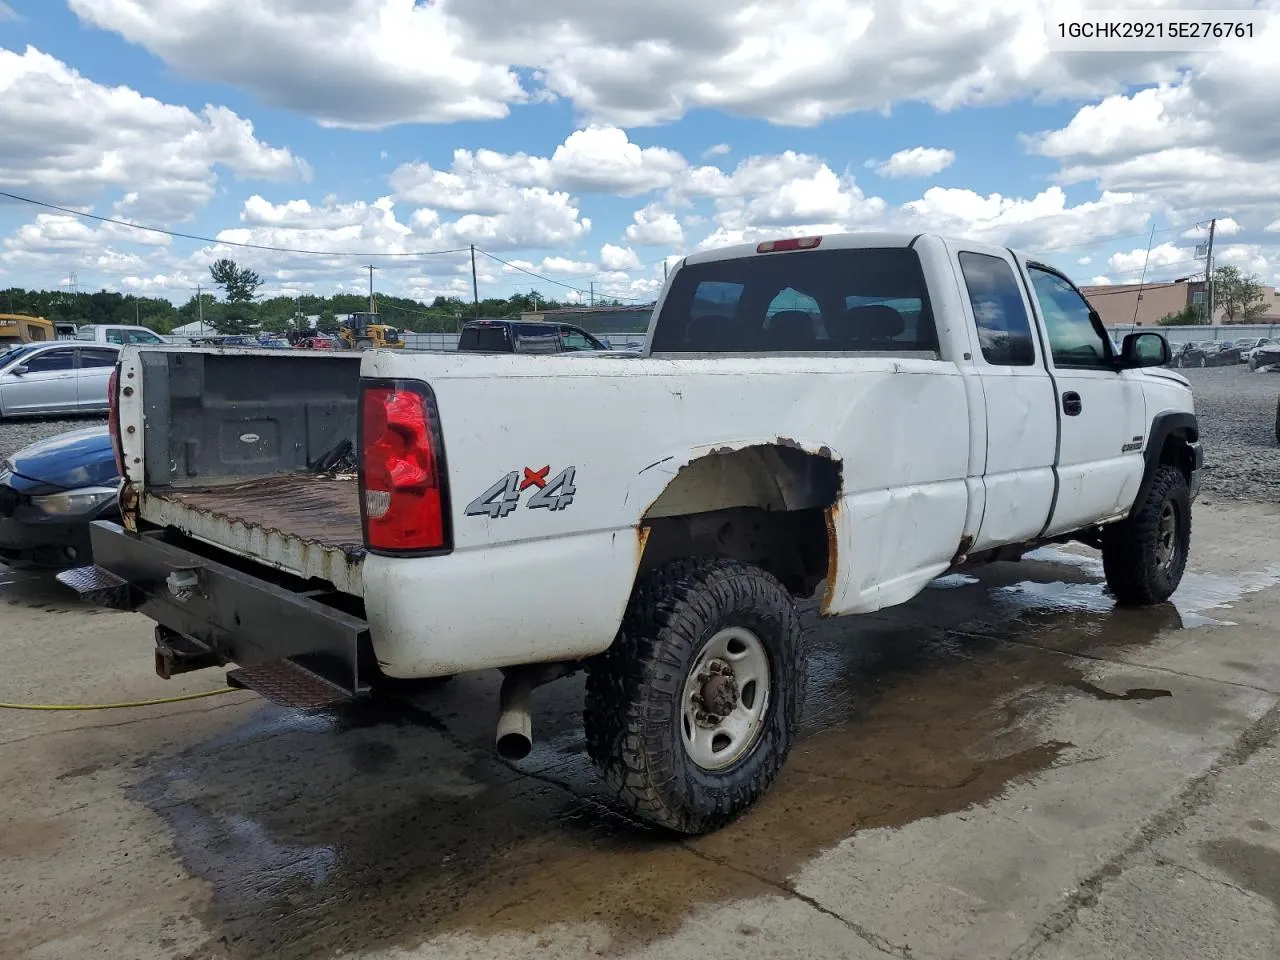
column 1240, row 296
column 328, row 322
column 1189, row 316
column 240, row 287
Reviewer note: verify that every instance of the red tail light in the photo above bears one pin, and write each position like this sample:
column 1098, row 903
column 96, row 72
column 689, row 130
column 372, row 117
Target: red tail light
column 113, row 418
column 404, row 504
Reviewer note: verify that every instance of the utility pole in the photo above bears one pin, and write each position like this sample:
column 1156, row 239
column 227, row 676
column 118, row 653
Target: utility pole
column 475, row 286
column 200, row 308
column 1208, row 269
column 593, row 293
column 664, row 269
column 373, row 307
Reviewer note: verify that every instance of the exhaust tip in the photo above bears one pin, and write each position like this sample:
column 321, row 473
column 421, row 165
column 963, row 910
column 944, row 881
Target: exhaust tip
column 514, row 746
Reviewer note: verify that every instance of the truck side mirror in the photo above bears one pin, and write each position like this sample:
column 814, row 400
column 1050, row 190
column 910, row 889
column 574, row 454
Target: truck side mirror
column 1146, row 349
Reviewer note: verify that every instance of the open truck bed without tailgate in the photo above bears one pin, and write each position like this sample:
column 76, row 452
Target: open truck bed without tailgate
column 239, row 450
column 306, row 524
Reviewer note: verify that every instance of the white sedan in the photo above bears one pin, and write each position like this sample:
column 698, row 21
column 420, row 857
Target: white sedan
column 59, row 377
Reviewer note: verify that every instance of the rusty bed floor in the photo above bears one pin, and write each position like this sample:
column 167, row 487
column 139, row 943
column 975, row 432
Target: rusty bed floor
column 305, row 507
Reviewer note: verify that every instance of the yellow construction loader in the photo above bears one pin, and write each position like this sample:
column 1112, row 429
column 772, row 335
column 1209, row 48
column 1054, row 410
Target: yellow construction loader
column 362, row 331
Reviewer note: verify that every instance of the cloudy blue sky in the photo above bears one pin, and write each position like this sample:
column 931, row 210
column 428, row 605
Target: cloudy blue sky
column 587, row 141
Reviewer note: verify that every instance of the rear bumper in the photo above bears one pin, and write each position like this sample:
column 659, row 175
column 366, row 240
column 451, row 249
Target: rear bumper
column 221, row 614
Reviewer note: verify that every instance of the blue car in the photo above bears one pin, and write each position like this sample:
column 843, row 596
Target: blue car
column 50, row 492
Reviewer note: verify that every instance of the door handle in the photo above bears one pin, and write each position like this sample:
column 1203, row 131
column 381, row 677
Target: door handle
column 1071, row 404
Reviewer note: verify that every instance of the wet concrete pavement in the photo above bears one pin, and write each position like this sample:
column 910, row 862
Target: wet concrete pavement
column 1005, row 767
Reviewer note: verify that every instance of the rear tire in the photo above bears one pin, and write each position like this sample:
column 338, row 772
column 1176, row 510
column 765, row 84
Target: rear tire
column 1145, row 555
column 1204, row 362
column 709, row 653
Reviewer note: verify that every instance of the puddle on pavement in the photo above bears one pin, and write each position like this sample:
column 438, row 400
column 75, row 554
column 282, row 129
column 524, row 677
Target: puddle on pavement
column 391, row 823
column 1197, row 593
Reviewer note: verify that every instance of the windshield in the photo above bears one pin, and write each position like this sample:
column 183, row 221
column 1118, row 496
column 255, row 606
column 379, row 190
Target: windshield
column 11, row 352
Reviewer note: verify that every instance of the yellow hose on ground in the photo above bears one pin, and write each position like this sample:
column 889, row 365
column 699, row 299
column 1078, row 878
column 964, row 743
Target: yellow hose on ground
column 115, row 706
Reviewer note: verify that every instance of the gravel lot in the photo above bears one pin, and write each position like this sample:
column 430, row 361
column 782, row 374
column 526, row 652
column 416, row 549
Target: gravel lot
column 1237, row 410
column 16, row 434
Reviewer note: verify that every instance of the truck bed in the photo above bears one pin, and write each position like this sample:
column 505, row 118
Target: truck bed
column 239, row 451
column 306, row 524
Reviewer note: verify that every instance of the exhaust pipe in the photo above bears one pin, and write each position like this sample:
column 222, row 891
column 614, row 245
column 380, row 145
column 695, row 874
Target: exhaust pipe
column 515, row 716
column 514, row 737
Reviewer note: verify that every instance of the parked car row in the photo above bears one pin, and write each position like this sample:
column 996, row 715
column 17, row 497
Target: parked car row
column 1220, row 353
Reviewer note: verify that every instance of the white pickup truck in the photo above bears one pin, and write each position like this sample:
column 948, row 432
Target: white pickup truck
column 843, row 418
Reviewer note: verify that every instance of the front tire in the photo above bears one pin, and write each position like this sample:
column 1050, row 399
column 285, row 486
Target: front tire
column 1204, row 362
column 1145, row 555
column 692, row 712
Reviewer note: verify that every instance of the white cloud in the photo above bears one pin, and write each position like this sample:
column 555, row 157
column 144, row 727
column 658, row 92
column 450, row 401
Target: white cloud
column 716, row 150
column 1206, row 143
column 917, row 162
column 618, row 258
column 1225, row 227
column 594, row 160
column 781, row 194
column 539, row 218
column 1085, row 261
column 564, row 266
column 396, row 62
column 7, row 13
column 402, row 61
column 1162, row 255
column 1040, row 224
column 654, row 226
column 70, row 138
column 603, row 160
column 1273, row 227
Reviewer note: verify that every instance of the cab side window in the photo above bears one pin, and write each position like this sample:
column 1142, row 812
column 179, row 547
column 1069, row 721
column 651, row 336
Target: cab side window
column 50, row 361
column 1004, row 329
column 1073, row 339
column 574, row 340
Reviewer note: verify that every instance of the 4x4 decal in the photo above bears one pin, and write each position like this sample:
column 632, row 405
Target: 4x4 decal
column 504, row 496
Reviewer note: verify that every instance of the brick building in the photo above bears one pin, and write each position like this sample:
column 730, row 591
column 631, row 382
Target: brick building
column 1116, row 303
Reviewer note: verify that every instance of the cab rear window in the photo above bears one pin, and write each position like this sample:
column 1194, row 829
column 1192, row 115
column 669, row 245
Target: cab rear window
column 862, row 300
column 485, row 339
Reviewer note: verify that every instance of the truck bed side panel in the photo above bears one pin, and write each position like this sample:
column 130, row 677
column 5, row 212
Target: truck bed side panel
column 898, row 427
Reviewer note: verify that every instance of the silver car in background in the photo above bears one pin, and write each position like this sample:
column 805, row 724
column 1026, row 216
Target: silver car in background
column 55, row 378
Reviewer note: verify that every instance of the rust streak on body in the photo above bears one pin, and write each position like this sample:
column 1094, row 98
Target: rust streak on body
column 831, row 513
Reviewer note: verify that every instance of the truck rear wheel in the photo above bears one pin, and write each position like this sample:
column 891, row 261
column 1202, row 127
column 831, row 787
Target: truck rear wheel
column 692, row 712
column 1144, row 556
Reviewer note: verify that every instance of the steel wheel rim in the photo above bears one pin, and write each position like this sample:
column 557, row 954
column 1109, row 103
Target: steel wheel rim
column 1167, row 537
column 726, row 699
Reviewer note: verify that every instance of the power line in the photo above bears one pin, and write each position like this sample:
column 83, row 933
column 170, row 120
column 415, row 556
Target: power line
column 558, row 283
column 1102, row 240
column 228, row 243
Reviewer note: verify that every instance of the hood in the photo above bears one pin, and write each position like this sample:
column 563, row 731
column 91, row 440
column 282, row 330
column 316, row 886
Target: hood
column 1164, row 373
column 78, row 458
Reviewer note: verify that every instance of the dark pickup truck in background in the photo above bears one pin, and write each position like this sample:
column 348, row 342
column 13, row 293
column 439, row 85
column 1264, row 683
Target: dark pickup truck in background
column 523, row 336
